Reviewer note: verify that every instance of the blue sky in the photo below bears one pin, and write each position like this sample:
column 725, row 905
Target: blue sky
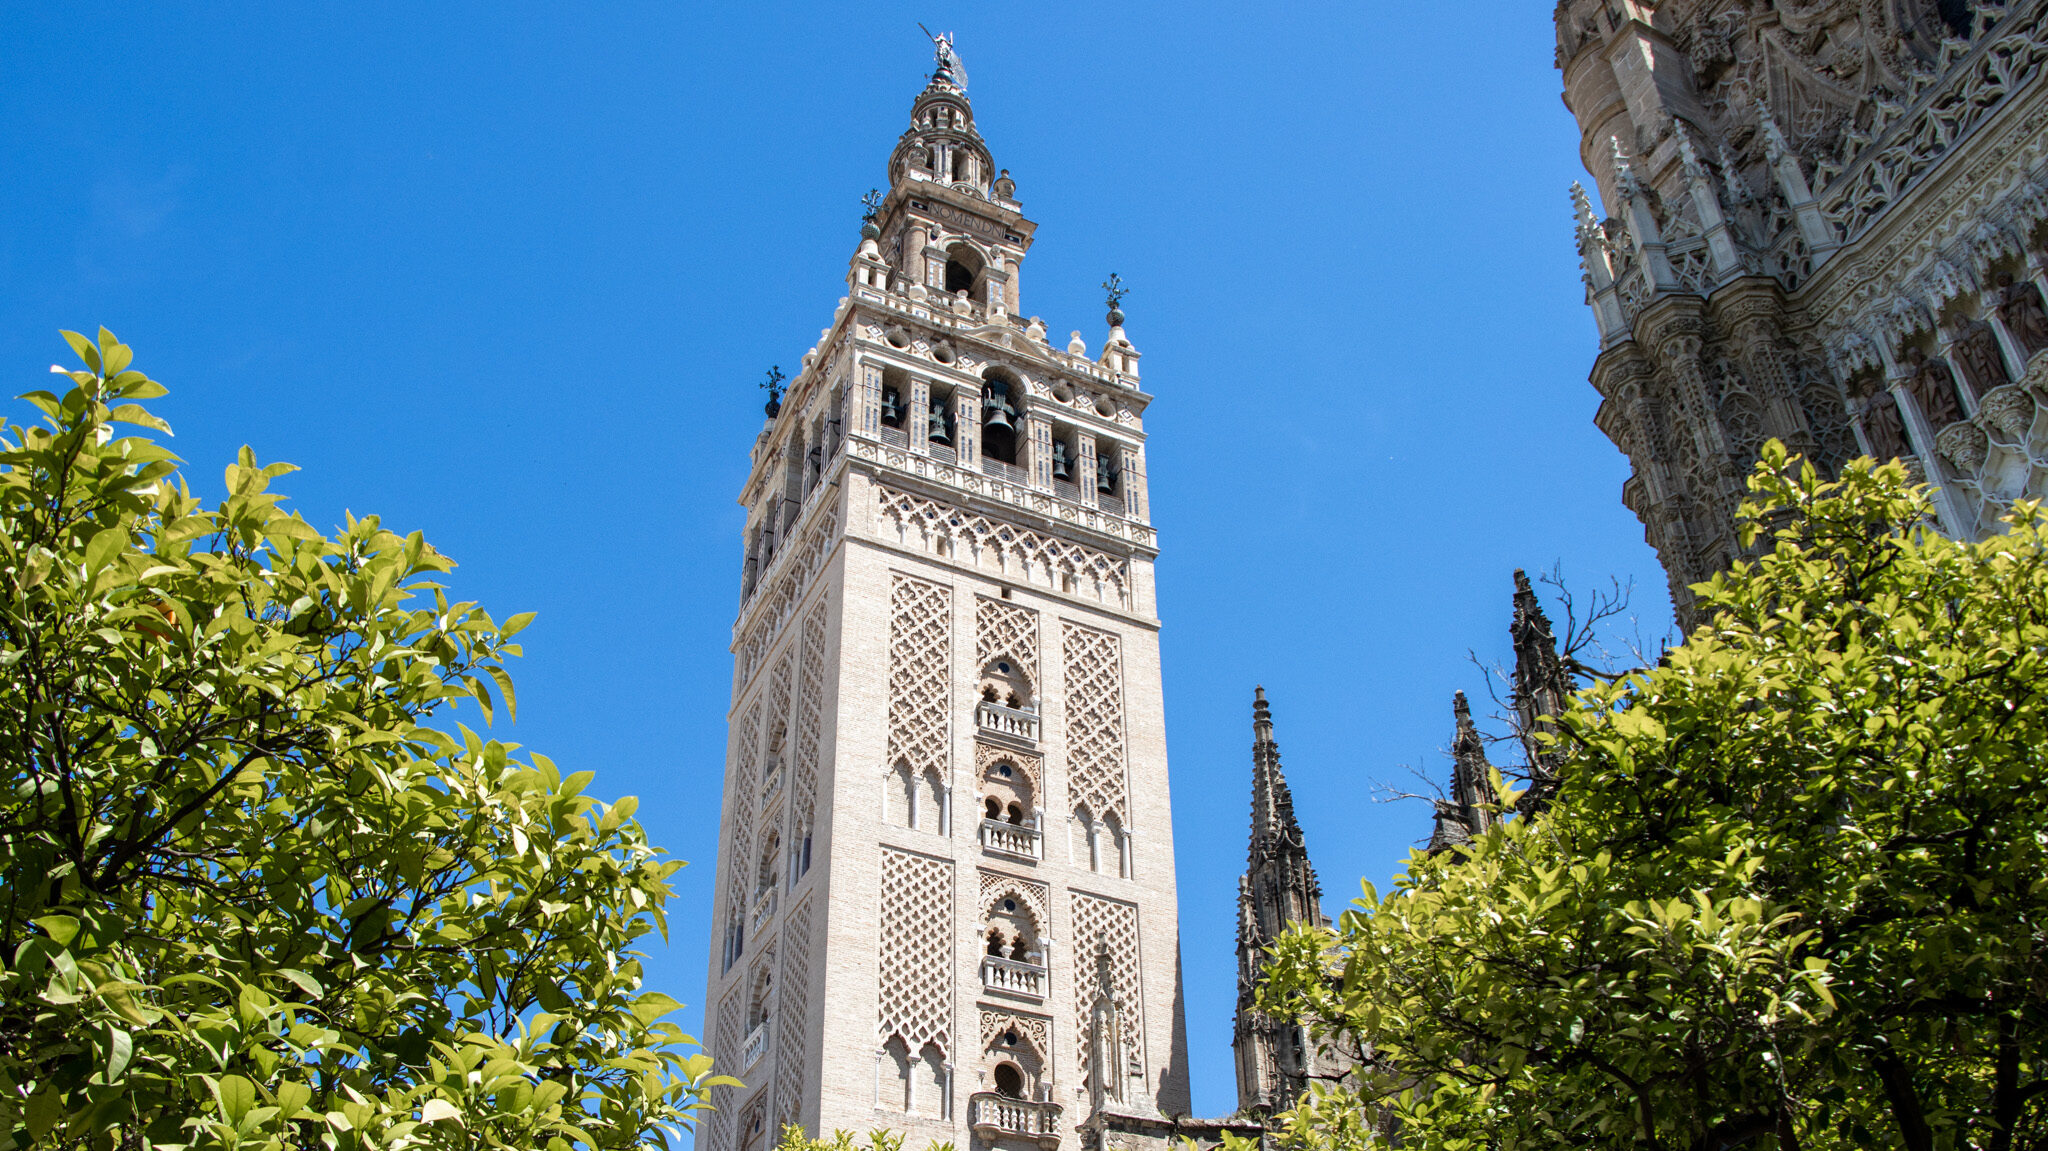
column 509, row 273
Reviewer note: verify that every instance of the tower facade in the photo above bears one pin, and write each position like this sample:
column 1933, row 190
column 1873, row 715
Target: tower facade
column 1824, row 223
column 946, row 899
column 1275, row 1059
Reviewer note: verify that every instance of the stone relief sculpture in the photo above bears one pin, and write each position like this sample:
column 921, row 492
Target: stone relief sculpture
column 2019, row 306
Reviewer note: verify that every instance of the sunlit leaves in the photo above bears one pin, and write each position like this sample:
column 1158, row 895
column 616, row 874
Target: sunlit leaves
column 1793, row 891
column 249, row 898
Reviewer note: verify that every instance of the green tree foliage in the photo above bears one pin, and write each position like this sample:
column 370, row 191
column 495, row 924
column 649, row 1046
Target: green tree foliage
column 247, row 898
column 882, row 1139
column 1792, row 893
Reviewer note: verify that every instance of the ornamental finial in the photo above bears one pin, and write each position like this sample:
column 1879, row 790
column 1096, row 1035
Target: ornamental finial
column 774, row 386
column 1115, row 292
column 950, row 69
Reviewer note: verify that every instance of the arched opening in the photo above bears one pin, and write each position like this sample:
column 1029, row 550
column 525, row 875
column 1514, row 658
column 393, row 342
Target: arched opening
column 893, row 1079
column 1000, row 415
column 928, row 1097
column 771, row 858
column 1009, row 1081
column 895, row 397
column 964, row 266
column 928, row 810
column 1003, row 681
column 1007, row 796
column 761, row 1001
column 1012, row 930
column 1117, row 849
column 901, row 786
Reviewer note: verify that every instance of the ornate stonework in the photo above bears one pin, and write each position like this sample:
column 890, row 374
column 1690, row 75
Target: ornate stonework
column 1813, row 212
column 945, row 632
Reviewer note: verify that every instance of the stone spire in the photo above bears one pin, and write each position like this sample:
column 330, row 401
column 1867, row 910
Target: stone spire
column 1278, row 890
column 1542, row 685
column 1468, row 813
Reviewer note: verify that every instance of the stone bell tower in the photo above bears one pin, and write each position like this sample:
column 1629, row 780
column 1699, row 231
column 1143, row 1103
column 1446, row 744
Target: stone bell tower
column 945, row 845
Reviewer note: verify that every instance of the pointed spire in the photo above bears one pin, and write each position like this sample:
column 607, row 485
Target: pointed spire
column 1731, row 175
column 1582, row 213
column 1278, row 890
column 1274, row 829
column 1542, row 685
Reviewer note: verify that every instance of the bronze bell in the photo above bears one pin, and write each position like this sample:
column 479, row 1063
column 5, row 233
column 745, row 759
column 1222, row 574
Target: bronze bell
column 1105, row 476
column 995, row 408
column 1060, row 470
column 892, row 408
column 936, row 427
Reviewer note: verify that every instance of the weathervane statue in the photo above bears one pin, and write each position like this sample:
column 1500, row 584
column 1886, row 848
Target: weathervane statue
column 951, row 68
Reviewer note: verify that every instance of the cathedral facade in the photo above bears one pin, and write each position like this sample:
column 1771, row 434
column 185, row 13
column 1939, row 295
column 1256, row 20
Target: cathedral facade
column 945, row 879
column 1824, row 222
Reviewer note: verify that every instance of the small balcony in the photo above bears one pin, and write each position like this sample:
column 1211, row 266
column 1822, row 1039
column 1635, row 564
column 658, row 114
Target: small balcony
column 764, row 909
column 772, row 785
column 755, row 1047
column 994, row 1116
column 1012, row 839
column 1012, row 977
column 1014, row 722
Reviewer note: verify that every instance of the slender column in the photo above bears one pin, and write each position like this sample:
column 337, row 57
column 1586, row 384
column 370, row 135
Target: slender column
column 1086, row 464
column 2015, row 356
column 1945, row 347
column 1133, row 467
column 1038, row 449
column 913, row 253
column 1920, row 436
column 917, row 425
column 967, row 426
column 868, row 419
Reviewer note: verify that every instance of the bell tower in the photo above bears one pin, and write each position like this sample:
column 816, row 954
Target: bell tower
column 946, row 850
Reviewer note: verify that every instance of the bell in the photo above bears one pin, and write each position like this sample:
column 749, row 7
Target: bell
column 936, row 432
column 996, row 411
column 892, row 408
column 1105, row 476
column 1060, row 470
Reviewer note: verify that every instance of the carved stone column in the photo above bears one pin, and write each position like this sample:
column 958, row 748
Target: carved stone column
column 868, row 412
column 917, row 425
column 1038, row 450
column 1132, row 464
column 967, row 426
column 1085, row 464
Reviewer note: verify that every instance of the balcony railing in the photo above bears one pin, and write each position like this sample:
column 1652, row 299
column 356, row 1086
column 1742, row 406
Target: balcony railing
column 1003, row 471
column 1012, row 977
column 992, row 1115
column 1011, row 721
column 773, row 784
column 1012, row 839
column 756, row 1046
column 764, row 909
